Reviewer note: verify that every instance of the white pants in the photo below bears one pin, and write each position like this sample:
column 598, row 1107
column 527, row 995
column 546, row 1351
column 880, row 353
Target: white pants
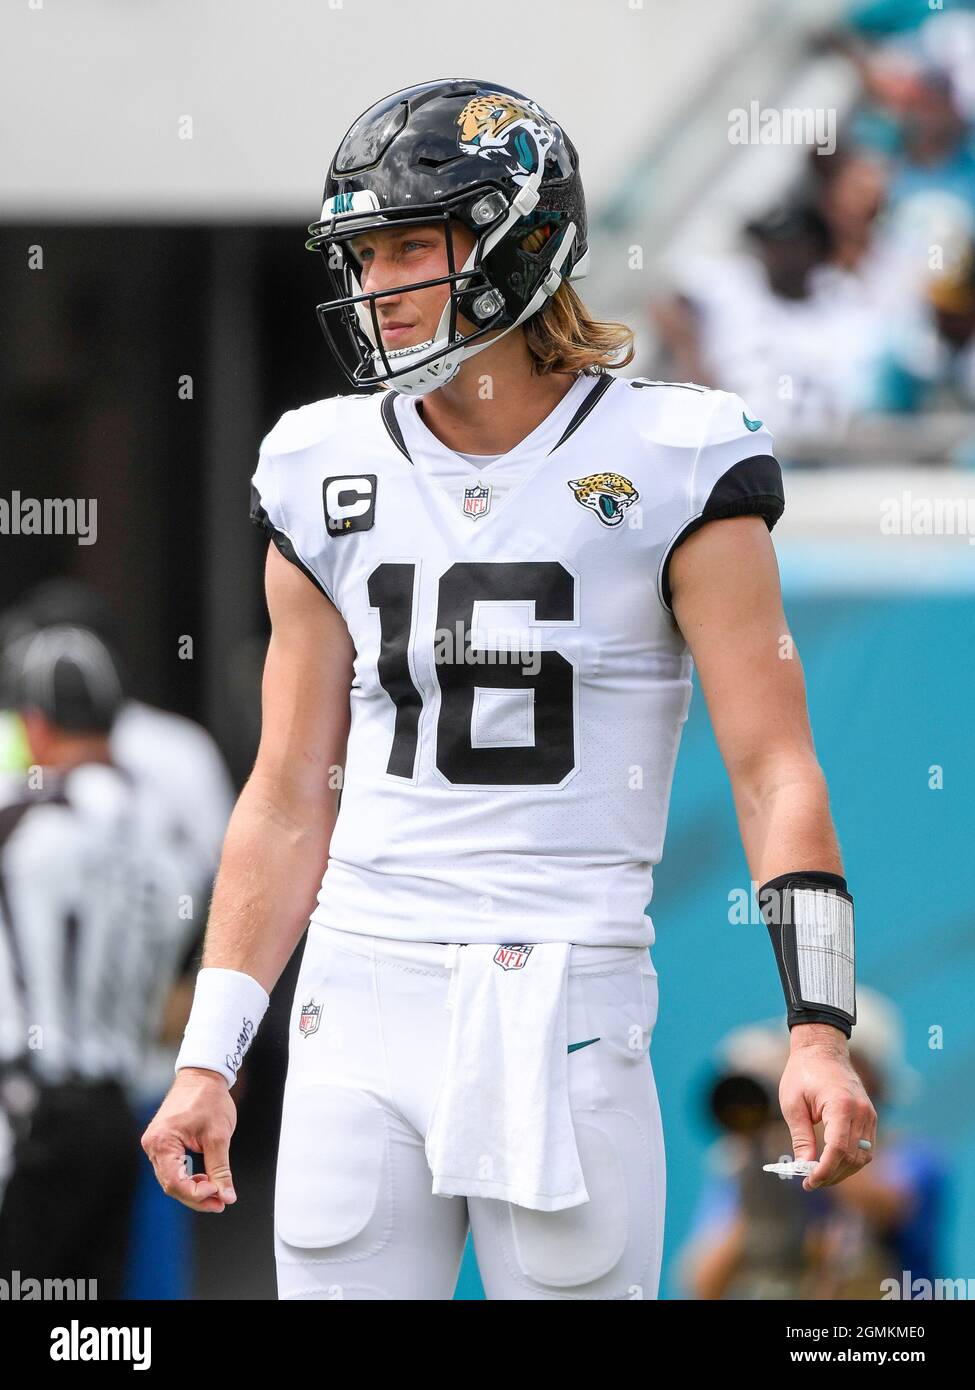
column 354, row 1213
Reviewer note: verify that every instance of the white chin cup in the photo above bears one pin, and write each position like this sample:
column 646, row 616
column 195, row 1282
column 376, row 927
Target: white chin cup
column 426, row 376
column 581, row 269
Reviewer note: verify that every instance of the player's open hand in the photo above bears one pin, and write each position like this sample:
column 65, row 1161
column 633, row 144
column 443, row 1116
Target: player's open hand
column 819, row 1085
column 198, row 1114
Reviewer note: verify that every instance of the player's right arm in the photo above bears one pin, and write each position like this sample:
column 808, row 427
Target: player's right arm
column 277, row 842
column 273, row 858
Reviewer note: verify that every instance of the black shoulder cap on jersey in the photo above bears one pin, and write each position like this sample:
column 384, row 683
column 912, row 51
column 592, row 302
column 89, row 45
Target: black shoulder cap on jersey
column 264, row 523
column 752, row 487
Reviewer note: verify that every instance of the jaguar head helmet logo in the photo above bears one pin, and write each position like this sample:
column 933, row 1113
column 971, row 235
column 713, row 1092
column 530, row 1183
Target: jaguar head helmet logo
column 514, row 134
column 607, row 494
column 487, row 116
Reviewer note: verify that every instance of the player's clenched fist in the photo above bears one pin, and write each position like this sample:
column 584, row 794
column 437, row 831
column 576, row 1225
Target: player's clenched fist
column 197, row 1114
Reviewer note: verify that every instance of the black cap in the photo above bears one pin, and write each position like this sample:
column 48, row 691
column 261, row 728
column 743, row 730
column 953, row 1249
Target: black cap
column 69, row 674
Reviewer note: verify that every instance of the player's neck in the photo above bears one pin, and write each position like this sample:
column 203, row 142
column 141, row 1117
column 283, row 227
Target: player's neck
column 494, row 401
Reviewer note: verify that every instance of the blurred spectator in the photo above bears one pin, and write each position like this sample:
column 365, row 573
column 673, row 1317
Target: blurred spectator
column 917, row 70
column 848, row 188
column 90, row 884
column 751, row 1230
column 757, row 1236
column 936, row 153
column 783, row 327
column 947, row 40
column 930, row 355
column 882, row 17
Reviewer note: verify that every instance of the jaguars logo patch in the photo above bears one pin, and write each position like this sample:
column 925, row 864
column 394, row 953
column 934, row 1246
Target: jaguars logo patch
column 607, row 494
column 517, row 134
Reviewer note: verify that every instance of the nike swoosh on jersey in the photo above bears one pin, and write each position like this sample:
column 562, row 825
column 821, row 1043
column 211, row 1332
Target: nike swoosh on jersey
column 574, row 1047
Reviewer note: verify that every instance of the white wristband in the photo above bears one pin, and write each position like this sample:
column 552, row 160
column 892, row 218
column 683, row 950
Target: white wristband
column 227, row 1010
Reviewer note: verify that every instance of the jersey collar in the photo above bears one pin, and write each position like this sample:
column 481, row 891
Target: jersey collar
column 416, row 442
column 444, row 474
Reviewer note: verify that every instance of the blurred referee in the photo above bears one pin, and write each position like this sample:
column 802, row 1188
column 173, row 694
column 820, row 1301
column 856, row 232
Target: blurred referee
column 89, row 885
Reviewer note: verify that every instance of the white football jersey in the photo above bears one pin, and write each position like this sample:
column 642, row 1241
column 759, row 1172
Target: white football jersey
column 520, row 683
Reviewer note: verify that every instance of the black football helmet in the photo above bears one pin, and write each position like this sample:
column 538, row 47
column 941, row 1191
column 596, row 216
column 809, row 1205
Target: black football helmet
column 470, row 150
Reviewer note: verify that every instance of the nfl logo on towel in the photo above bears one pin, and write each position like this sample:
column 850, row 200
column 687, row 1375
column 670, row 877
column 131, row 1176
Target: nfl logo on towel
column 512, row 957
column 477, row 499
column 311, row 1017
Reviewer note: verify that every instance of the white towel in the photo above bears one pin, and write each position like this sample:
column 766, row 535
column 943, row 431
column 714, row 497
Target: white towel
column 501, row 1125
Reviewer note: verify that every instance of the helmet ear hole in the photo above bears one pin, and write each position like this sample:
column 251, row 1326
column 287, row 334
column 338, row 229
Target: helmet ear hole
column 536, row 238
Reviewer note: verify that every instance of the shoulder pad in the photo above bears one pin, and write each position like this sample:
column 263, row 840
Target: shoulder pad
column 299, row 429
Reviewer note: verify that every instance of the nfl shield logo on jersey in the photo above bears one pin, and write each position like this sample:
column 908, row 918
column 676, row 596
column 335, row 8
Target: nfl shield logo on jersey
column 477, row 499
column 512, row 957
column 311, row 1017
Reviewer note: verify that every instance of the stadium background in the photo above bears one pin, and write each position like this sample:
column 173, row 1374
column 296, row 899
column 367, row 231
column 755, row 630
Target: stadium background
column 166, row 257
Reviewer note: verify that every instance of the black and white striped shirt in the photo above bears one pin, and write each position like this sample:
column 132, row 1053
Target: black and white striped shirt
column 91, row 927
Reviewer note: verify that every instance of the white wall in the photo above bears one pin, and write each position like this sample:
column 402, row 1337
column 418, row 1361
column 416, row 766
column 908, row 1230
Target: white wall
column 92, row 91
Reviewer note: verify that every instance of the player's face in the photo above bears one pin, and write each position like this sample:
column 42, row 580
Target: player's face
column 388, row 258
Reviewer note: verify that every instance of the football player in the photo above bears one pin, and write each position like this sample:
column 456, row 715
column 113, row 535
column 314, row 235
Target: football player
column 488, row 578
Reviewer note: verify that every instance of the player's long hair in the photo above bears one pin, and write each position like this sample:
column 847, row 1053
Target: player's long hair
column 564, row 337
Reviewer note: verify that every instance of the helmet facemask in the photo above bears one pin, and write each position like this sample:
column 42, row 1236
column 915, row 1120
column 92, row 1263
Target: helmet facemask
column 422, row 366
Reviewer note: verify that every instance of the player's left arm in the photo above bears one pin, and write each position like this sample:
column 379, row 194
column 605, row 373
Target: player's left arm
column 727, row 600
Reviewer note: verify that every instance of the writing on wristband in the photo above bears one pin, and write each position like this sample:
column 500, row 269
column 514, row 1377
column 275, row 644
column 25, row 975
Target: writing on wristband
column 809, row 915
column 228, row 1006
column 244, row 1039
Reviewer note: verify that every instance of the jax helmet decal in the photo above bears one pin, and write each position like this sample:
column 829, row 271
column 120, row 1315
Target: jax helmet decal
column 516, row 134
column 446, row 152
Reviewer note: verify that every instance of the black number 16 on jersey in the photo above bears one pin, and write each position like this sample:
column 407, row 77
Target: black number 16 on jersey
column 550, row 588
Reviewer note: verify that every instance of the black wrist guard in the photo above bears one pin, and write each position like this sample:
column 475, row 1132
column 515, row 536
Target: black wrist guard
column 809, row 916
